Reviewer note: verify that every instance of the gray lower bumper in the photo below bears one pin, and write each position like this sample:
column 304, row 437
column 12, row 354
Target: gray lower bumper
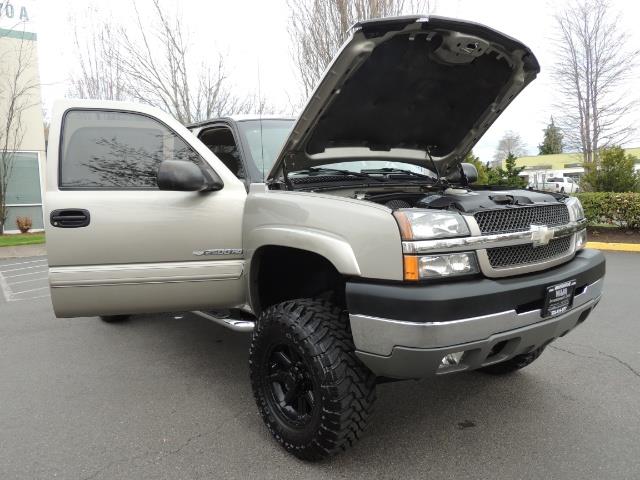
column 398, row 349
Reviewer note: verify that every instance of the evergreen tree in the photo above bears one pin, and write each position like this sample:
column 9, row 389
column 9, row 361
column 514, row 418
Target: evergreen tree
column 613, row 171
column 512, row 172
column 552, row 141
column 508, row 176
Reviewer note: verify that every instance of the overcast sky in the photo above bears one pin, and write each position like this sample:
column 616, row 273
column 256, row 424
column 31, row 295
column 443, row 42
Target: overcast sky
column 254, row 32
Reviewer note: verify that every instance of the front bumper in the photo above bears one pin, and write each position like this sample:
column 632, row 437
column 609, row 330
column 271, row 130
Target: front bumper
column 404, row 331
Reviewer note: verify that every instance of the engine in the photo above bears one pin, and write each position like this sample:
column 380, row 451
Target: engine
column 462, row 200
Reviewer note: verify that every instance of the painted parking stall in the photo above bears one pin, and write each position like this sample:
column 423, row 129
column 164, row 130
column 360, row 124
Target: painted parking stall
column 24, row 279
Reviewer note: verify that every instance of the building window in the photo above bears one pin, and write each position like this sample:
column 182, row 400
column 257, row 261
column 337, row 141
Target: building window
column 24, row 197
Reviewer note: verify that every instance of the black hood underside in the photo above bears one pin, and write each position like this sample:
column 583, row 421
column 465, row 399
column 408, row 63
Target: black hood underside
column 407, row 88
column 419, row 102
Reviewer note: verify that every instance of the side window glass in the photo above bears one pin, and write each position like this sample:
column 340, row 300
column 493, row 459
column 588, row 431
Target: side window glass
column 221, row 142
column 116, row 150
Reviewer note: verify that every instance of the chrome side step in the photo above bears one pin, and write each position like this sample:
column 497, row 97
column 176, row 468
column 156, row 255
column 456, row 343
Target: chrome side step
column 237, row 325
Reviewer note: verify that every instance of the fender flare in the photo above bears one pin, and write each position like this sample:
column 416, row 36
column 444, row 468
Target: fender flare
column 328, row 245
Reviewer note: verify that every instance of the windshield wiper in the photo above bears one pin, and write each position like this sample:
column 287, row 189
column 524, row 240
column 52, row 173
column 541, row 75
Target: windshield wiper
column 321, row 170
column 399, row 170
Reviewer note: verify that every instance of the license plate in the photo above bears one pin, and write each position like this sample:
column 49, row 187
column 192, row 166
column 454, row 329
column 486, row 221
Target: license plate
column 559, row 298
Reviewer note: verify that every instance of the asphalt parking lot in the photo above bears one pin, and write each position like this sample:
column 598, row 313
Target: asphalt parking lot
column 167, row 396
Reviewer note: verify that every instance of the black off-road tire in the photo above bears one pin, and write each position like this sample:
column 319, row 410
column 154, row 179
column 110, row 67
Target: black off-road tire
column 513, row 364
column 337, row 390
column 114, row 318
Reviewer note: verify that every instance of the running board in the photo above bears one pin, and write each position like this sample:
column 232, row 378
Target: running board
column 237, row 325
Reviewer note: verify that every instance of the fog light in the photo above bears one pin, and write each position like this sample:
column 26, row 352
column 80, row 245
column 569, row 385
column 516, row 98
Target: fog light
column 451, row 359
column 581, row 239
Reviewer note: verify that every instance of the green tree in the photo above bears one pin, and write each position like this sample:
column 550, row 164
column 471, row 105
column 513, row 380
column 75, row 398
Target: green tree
column 613, row 171
column 552, row 141
column 483, row 178
column 508, row 176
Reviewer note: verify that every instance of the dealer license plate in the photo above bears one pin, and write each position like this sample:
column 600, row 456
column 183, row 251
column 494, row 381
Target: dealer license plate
column 559, row 298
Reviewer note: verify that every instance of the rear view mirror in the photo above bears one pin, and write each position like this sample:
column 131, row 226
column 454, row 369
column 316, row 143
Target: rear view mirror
column 183, row 176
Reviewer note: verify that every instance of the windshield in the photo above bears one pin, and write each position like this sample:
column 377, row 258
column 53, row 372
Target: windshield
column 264, row 142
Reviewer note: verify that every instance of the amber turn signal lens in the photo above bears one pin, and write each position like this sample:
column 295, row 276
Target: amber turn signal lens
column 411, row 268
column 404, row 224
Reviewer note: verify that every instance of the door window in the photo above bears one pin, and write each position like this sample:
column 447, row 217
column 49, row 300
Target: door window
column 221, row 142
column 116, row 150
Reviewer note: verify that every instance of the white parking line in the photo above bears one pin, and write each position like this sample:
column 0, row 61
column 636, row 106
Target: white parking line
column 41, row 296
column 28, row 281
column 6, row 291
column 23, row 268
column 30, row 290
column 11, row 295
column 22, row 263
column 23, row 274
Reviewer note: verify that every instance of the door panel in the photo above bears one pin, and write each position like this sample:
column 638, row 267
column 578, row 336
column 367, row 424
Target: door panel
column 142, row 249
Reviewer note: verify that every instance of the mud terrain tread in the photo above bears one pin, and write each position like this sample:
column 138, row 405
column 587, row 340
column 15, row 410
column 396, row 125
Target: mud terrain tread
column 348, row 387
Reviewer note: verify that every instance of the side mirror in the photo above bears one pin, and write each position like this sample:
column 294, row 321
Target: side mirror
column 470, row 172
column 465, row 175
column 183, row 176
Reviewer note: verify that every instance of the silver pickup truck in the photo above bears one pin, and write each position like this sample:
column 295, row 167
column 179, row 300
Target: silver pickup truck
column 350, row 241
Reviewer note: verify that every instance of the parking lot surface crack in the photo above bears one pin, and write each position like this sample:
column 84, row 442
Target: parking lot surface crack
column 600, row 352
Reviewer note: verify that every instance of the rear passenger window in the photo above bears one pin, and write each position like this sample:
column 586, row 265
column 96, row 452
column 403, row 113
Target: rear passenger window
column 116, row 150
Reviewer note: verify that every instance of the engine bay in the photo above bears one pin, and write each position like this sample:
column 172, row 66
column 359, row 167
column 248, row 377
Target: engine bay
column 464, row 200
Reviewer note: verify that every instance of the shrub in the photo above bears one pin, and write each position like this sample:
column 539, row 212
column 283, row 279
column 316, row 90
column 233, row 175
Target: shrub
column 612, row 172
column 618, row 209
column 24, row 224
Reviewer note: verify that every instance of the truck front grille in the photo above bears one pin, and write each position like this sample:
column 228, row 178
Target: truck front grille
column 517, row 255
column 519, row 219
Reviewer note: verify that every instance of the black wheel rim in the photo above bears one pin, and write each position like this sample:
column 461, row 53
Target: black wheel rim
column 290, row 386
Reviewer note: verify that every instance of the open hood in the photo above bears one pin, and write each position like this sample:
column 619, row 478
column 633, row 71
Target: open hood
column 403, row 87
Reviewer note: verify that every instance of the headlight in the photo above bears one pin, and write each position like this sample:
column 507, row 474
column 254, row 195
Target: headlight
column 430, row 224
column 576, row 212
column 436, row 266
column 581, row 239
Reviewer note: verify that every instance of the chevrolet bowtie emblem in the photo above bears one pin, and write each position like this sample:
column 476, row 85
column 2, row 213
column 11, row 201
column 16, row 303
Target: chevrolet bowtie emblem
column 541, row 235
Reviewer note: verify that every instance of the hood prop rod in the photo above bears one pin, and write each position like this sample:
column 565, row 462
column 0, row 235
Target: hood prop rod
column 440, row 181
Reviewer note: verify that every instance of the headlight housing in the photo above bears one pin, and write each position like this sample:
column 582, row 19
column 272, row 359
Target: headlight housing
column 430, row 224
column 576, row 212
column 581, row 239
column 421, row 267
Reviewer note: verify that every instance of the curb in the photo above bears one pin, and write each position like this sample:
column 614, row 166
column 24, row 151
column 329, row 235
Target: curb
column 20, row 251
column 615, row 247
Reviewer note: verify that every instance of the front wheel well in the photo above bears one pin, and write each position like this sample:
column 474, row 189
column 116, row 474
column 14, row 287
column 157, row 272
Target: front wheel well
column 284, row 273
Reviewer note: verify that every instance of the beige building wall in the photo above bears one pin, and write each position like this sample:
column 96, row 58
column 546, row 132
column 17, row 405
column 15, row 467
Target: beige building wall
column 18, row 52
column 15, row 50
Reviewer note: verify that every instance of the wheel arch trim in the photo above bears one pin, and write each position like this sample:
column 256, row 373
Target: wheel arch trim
column 332, row 247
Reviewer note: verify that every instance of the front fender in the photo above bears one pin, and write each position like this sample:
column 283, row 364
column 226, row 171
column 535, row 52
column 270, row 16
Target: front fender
column 328, row 245
column 360, row 239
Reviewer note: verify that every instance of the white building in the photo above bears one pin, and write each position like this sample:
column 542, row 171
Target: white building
column 537, row 168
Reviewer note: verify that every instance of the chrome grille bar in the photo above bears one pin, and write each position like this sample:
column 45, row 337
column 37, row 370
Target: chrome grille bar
column 487, row 241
